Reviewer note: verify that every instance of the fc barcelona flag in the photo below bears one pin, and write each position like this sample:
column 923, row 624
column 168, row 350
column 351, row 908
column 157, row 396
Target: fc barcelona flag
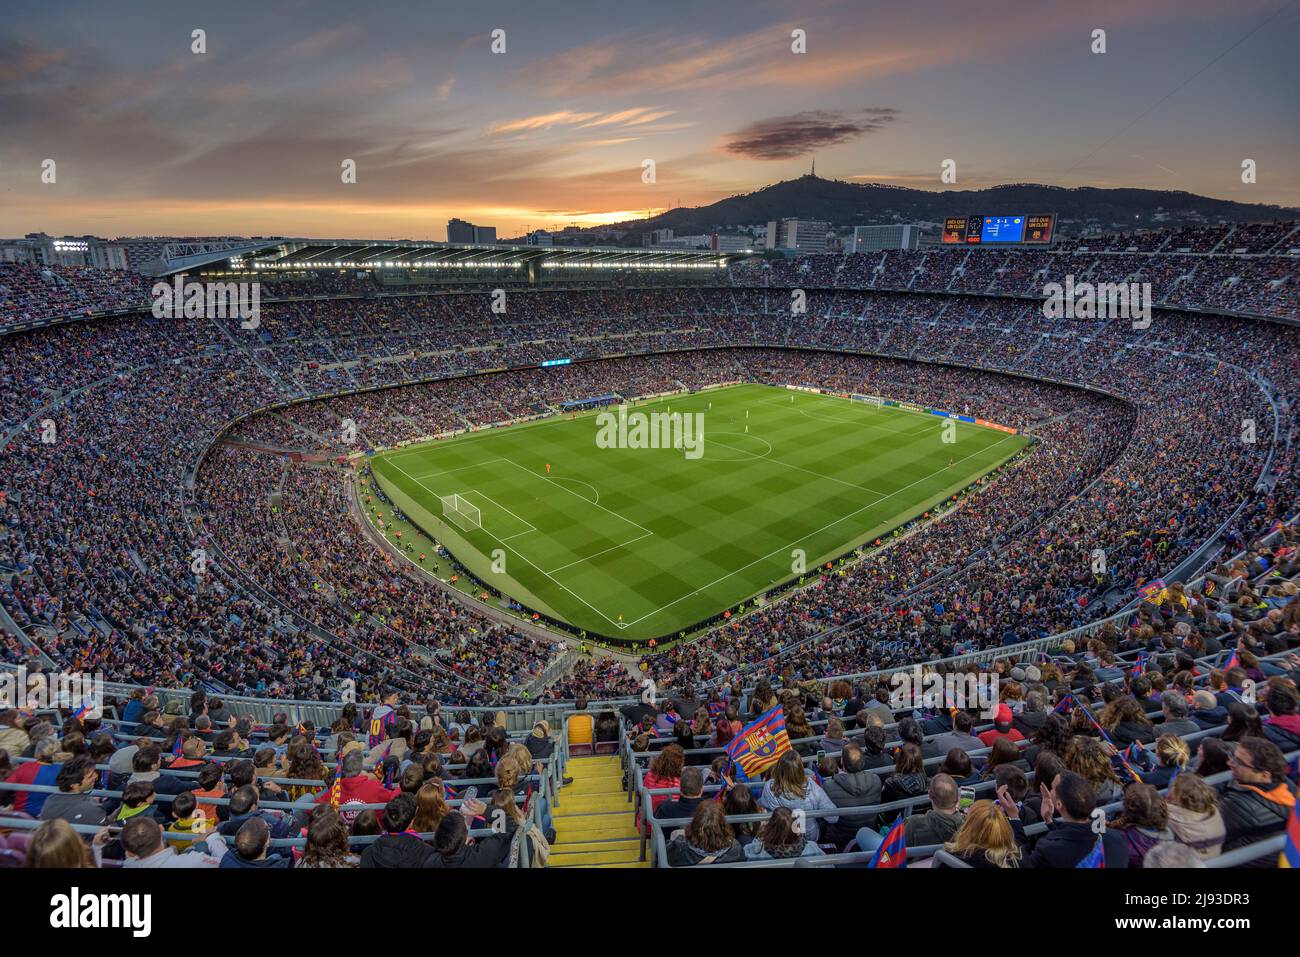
column 760, row 744
column 1096, row 858
column 1234, row 661
column 893, row 851
column 1290, row 856
column 1153, row 591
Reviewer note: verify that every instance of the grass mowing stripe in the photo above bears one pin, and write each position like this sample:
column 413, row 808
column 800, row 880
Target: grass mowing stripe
column 642, row 543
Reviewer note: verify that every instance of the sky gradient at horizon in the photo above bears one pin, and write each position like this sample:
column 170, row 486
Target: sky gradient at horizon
column 248, row 137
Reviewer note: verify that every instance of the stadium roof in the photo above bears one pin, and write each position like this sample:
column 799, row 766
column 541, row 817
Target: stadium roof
column 298, row 254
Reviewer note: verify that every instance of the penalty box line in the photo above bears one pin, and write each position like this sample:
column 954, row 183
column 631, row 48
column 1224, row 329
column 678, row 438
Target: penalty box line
column 526, row 559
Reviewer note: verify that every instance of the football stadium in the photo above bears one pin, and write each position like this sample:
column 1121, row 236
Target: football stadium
column 844, row 545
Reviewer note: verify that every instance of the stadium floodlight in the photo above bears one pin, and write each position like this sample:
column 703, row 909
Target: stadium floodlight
column 461, row 513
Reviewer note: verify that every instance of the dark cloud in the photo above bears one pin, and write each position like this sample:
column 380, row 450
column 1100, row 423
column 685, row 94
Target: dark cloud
column 788, row 137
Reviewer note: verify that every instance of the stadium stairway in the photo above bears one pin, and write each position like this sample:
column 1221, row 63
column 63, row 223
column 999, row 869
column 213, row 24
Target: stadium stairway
column 594, row 824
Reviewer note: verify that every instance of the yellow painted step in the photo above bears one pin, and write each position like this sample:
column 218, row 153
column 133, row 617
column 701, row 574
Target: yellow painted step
column 618, row 844
column 584, row 829
column 574, row 804
column 579, row 767
column 591, row 858
column 628, row 864
column 610, row 785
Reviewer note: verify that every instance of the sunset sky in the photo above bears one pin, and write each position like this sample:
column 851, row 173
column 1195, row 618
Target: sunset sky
column 248, row 137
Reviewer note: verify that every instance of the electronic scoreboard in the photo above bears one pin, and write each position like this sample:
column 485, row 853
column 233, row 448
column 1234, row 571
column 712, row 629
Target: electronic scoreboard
column 1015, row 229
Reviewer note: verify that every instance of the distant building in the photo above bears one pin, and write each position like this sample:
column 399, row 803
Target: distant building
column 732, row 243
column 538, row 237
column 800, row 235
column 867, row 239
column 40, row 249
column 459, row 231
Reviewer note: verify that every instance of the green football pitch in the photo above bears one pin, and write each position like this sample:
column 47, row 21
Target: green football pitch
column 636, row 543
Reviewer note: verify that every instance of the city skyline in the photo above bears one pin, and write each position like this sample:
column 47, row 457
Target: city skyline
column 249, row 136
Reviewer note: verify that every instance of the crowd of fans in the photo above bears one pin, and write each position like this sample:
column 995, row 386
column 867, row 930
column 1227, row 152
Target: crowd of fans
column 143, row 786
column 119, row 556
column 1188, row 760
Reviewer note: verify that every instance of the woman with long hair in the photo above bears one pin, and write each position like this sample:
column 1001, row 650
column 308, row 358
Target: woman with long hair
column 741, row 801
column 1194, row 816
column 1003, row 751
column 707, row 839
column 430, row 806
column 1089, row 758
column 1054, row 737
column 779, row 838
column 957, row 765
column 665, row 772
column 1144, row 822
column 302, row 762
column 54, row 844
column 791, row 786
column 1212, row 757
column 1243, row 722
column 908, row 779
column 985, row 838
column 1125, row 721
column 327, row 842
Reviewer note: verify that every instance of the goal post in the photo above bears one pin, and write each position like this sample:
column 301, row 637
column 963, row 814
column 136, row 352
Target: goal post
column 461, row 513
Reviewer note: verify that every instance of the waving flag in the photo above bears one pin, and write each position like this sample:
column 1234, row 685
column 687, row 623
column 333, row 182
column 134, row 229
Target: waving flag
column 760, row 744
column 717, row 709
column 1152, row 592
column 893, row 852
column 1140, row 666
column 336, row 786
column 1234, row 661
column 1290, row 856
column 1096, row 857
column 1064, row 706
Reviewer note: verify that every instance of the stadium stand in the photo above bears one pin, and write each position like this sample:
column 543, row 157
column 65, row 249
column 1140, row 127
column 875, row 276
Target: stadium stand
column 193, row 530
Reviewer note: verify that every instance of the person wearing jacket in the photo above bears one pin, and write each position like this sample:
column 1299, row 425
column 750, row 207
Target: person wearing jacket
column 682, row 807
column 985, row 838
column 1259, row 800
column 852, row 787
column 252, row 850
column 72, row 804
column 243, row 808
column 454, row 848
column 790, row 786
column 1282, row 726
column 1194, row 816
column 1144, row 822
column 941, row 822
column 357, row 787
column 1070, row 840
column 1176, row 721
column 1207, row 712
column 1172, row 755
column 398, row 846
column 142, row 839
column 959, row 737
column 707, row 839
column 779, row 839
column 908, row 779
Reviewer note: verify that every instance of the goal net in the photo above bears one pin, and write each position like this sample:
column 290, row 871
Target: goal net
column 461, row 513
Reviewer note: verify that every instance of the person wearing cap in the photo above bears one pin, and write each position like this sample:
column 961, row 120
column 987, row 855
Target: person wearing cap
column 1002, row 728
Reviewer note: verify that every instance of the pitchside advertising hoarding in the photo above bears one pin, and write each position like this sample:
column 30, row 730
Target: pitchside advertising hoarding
column 999, row 229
